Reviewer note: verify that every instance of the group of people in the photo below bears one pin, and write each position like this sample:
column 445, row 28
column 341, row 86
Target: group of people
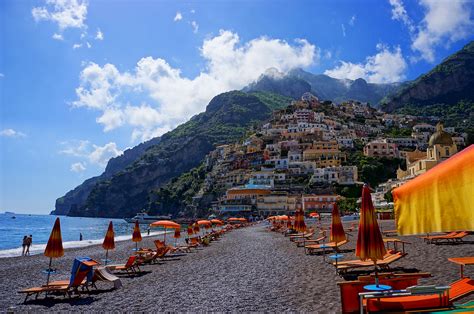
column 27, row 241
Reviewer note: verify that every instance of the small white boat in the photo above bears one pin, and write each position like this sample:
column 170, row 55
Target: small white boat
column 144, row 218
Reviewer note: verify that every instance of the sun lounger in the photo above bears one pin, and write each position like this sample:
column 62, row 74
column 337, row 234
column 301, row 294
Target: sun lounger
column 67, row 289
column 102, row 274
column 303, row 242
column 312, row 248
column 453, row 237
column 131, row 266
column 344, row 266
column 456, row 290
column 150, row 256
column 431, row 238
column 307, row 235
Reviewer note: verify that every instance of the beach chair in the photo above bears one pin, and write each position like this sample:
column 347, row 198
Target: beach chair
column 151, row 257
column 330, row 246
column 456, row 238
column 307, row 235
column 429, row 239
column 303, row 242
column 131, row 266
column 384, row 264
column 102, row 274
column 455, row 291
column 77, row 280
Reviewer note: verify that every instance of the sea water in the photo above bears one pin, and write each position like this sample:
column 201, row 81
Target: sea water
column 12, row 231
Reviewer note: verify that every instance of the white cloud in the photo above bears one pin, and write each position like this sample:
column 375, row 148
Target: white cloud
column 195, row 26
column 91, row 153
column 352, row 20
column 167, row 98
column 178, row 17
column 384, row 67
column 343, row 30
column 101, row 154
column 78, row 167
column 192, row 11
column 11, row 133
column 99, row 35
column 88, row 45
column 76, row 46
column 65, row 13
column 58, row 36
column 2, row 75
column 444, row 23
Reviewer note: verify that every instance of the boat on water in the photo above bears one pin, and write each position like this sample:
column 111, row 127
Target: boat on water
column 144, row 218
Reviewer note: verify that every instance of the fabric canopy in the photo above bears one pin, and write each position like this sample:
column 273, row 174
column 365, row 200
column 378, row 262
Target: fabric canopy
column 167, row 224
column 54, row 248
column 440, row 200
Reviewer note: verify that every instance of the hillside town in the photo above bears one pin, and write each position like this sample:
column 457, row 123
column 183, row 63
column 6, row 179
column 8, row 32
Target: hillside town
column 301, row 158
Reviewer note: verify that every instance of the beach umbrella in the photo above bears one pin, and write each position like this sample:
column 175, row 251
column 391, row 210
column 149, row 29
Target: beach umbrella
column 300, row 226
column 314, row 215
column 439, row 200
column 177, row 235
column 370, row 245
column 54, row 248
column 337, row 230
column 288, row 223
column 166, row 224
column 109, row 241
column 217, row 222
column 196, row 228
column 190, row 230
column 137, row 235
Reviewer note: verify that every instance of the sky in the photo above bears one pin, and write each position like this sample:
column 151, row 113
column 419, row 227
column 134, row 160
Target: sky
column 81, row 81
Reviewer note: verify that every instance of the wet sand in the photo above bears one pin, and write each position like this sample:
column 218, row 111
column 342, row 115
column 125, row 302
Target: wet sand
column 248, row 269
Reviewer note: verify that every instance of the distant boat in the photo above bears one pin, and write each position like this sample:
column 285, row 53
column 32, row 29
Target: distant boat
column 144, row 218
column 9, row 213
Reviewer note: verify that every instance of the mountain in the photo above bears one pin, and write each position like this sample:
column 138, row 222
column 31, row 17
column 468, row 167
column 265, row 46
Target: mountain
column 298, row 81
column 448, row 83
column 124, row 188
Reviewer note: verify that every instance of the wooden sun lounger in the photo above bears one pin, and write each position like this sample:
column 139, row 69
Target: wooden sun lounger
column 428, row 238
column 302, row 236
column 344, row 266
column 102, row 274
column 303, row 242
column 454, row 237
column 66, row 289
column 131, row 266
column 311, row 248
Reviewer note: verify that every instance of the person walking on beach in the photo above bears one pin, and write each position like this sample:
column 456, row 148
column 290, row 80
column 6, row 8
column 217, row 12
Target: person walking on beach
column 24, row 244
column 29, row 241
column 148, row 231
column 80, row 236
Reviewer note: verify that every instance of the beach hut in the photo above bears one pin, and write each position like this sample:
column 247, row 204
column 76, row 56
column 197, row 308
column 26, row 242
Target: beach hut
column 54, row 248
column 370, row 245
column 109, row 241
column 439, row 200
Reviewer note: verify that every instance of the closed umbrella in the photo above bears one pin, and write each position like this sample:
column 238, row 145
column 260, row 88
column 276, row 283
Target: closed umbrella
column 137, row 235
column 54, row 248
column 190, row 231
column 166, row 224
column 177, row 235
column 300, row 226
column 370, row 244
column 109, row 241
column 337, row 230
column 196, row 228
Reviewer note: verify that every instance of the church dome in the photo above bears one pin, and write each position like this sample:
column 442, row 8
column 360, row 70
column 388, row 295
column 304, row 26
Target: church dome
column 440, row 137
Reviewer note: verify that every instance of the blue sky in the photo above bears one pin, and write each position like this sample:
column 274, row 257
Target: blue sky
column 81, row 81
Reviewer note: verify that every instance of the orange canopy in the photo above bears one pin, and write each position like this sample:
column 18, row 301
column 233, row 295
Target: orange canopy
column 217, row 222
column 167, row 224
column 233, row 219
column 313, row 215
column 439, row 200
column 54, row 248
column 109, row 242
column 337, row 230
column 369, row 239
column 203, row 222
column 137, row 235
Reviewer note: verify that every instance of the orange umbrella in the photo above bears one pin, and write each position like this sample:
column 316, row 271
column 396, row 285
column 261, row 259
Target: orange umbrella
column 166, row 224
column 313, row 215
column 300, row 226
column 137, row 235
column 54, row 248
column 369, row 239
column 217, row 222
column 337, row 230
column 109, row 242
column 190, row 230
column 196, row 228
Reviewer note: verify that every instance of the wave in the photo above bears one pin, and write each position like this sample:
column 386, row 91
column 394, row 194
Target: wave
column 39, row 248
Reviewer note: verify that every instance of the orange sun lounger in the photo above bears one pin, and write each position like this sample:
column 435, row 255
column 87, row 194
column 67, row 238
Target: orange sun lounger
column 344, row 266
column 311, row 248
column 457, row 290
column 131, row 266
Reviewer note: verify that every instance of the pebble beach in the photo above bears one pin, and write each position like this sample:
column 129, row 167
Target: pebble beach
column 248, row 269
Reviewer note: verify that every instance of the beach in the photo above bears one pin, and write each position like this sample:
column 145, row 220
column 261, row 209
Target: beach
column 248, row 269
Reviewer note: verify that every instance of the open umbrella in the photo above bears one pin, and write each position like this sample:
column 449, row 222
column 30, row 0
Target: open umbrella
column 370, row 244
column 314, row 215
column 54, row 248
column 109, row 241
column 166, row 224
column 136, row 236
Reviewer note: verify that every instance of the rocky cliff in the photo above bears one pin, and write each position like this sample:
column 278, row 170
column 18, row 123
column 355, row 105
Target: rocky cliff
column 448, row 83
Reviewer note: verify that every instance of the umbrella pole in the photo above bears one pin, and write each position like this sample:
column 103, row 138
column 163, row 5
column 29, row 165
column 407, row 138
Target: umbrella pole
column 164, row 238
column 49, row 270
column 106, row 256
column 376, row 275
column 136, row 246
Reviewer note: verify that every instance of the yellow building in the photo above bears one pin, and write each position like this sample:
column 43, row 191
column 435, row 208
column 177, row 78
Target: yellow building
column 324, row 154
column 440, row 148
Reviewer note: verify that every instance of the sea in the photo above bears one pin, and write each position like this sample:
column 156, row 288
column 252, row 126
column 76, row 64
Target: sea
column 93, row 231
